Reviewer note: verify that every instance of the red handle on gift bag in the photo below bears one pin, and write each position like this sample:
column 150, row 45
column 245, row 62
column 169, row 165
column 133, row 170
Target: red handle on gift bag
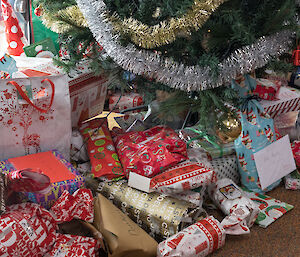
column 26, row 98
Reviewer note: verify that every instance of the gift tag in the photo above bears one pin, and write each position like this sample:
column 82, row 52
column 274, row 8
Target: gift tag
column 230, row 192
column 7, row 66
column 274, row 161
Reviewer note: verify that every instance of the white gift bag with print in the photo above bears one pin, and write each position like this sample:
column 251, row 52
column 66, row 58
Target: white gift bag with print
column 35, row 116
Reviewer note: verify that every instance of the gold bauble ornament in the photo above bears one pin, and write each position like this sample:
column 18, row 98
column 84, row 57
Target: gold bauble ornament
column 228, row 128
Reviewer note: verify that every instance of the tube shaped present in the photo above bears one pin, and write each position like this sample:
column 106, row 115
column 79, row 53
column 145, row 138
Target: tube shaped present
column 197, row 240
column 104, row 159
column 241, row 210
column 160, row 215
column 182, row 177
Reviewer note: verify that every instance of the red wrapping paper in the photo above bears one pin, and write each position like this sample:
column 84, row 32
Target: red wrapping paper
column 296, row 152
column 267, row 89
column 28, row 180
column 104, row 159
column 182, row 177
column 150, row 152
column 197, row 240
column 29, row 230
column 74, row 246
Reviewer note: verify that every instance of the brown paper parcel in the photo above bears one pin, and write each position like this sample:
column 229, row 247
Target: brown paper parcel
column 124, row 238
column 160, row 215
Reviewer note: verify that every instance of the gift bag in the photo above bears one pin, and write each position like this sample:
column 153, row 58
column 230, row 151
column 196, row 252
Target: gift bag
column 257, row 133
column 34, row 116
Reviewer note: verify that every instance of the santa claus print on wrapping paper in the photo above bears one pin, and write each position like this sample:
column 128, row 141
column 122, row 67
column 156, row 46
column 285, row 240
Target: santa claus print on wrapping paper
column 246, row 141
column 242, row 162
column 14, row 35
column 19, row 117
column 251, row 117
column 269, row 133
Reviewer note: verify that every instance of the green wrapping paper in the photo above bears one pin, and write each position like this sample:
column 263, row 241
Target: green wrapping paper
column 270, row 209
column 160, row 215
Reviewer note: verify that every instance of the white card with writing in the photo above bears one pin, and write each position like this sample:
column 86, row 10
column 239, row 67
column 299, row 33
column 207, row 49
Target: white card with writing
column 274, row 161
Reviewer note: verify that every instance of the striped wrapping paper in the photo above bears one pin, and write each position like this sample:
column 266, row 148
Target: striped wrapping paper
column 289, row 100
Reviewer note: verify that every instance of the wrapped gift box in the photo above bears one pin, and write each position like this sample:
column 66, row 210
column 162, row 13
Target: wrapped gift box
column 226, row 167
column 87, row 91
column 63, row 175
column 160, row 215
column 288, row 101
column 126, row 101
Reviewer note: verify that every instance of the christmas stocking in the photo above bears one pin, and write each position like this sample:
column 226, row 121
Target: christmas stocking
column 14, row 35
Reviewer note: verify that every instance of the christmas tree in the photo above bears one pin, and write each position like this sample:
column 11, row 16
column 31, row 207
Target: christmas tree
column 193, row 48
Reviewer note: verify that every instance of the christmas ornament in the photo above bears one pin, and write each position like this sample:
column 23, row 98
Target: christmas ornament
column 228, row 128
column 110, row 118
column 166, row 31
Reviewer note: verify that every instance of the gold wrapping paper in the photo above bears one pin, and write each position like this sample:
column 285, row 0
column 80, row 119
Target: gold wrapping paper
column 160, row 215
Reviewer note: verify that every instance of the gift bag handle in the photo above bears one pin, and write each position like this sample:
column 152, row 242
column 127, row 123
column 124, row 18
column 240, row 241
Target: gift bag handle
column 26, row 98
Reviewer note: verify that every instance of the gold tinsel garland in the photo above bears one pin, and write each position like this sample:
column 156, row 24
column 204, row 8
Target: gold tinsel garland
column 166, row 31
column 57, row 25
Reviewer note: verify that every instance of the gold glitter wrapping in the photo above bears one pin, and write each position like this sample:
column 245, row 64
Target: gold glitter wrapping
column 160, row 215
column 166, row 31
column 73, row 13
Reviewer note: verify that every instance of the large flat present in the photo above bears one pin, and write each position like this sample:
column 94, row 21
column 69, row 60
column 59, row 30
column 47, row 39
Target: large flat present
column 288, row 101
column 63, row 176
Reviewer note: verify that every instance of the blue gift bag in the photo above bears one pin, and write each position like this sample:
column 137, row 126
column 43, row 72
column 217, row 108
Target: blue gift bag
column 257, row 133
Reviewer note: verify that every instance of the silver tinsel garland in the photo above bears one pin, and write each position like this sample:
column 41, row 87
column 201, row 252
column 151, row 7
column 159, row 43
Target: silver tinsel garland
column 178, row 75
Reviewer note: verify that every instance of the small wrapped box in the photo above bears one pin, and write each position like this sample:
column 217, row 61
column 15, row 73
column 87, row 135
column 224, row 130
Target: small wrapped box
column 160, row 215
column 62, row 174
column 288, row 101
column 242, row 212
column 292, row 181
column 126, row 101
column 226, row 167
column 150, row 152
column 197, row 240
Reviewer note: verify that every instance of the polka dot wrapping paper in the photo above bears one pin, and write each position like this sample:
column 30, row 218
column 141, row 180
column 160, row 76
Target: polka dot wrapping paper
column 104, row 159
column 14, row 34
